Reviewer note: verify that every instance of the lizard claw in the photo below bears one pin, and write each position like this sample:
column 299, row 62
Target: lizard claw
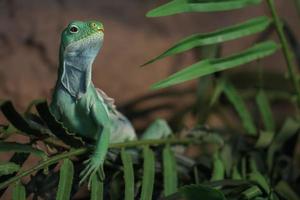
column 92, row 168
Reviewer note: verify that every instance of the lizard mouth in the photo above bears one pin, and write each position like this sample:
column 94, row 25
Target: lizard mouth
column 93, row 40
column 100, row 30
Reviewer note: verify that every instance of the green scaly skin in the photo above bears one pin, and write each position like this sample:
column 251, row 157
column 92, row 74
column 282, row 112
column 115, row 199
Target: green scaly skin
column 84, row 109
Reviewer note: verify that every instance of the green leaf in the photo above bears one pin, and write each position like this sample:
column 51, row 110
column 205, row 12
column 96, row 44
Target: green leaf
column 264, row 140
column 239, row 105
column 8, row 168
column 19, row 192
column 128, row 175
column 7, row 130
column 169, row 171
column 217, row 91
column 284, row 189
column 148, row 174
column 210, row 66
column 236, row 175
column 218, row 171
column 181, row 6
column 97, row 188
column 251, row 193
column 65, row 180
column 289, row 129
column 229, row 33
column 265, row 110
column 227, row 158
column 21, row 148
column 192, row 192
column 258, row 178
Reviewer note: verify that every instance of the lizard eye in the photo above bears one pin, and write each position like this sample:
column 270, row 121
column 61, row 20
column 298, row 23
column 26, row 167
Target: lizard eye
column 73, row 29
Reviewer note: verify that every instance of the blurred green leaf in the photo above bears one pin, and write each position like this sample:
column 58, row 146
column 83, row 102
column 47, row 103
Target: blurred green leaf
column 229, row 33
column 19, row 192
column 169, row 171
column 265, row 110
column 195, row 192
column 65, row 180
column 219, row 89
column 236, row 175
column 257, row 177
column 227, row 158
column 218, row 171
column 180, row 6
column 297, row 3
column 7, row 130
column 8, row 168
column 148, row 174
column 128, row 175
column 286, row 191
column 239, row 105
column 265, row 138
column 21, row 148
column 251, row 193
column 97, row 188
column 289, row 129
column 210, row 66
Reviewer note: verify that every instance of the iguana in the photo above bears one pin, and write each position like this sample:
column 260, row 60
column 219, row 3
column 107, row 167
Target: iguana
column 80, row 106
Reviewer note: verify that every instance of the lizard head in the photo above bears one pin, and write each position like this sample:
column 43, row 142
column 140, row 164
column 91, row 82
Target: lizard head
column 82, row 38
column 80, row 44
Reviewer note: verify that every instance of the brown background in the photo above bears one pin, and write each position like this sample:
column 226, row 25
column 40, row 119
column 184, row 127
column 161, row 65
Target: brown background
column 30, row 34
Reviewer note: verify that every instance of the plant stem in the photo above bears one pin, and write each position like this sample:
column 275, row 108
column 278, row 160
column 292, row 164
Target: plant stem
column 80, row 151
column 42, row 165
column 136, row 143
column 292, row 70
column 297, row 2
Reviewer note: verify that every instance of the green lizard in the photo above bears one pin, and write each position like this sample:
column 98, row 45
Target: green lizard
column 84, row 109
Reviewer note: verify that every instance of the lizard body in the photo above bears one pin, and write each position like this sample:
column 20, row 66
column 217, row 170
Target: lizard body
column 84, row 109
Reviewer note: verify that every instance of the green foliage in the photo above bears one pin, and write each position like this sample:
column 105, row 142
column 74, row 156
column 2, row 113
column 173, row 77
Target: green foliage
column 210, row 66
column 170, row 171
column 265, row 110
column 289, row 129
column 65, row 180
column 128, row 175
column 218, row 170
column 193, row 192
column 249, row 27
column 148, row 174
column 8, row 168
column 19, row 192
column 22, row 148
column 180, row 6
column 240, row 107
column 97, row 189
column 285, row 190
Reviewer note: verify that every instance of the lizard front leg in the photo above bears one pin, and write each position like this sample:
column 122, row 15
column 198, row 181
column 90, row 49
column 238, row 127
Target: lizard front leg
column 95, row 163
